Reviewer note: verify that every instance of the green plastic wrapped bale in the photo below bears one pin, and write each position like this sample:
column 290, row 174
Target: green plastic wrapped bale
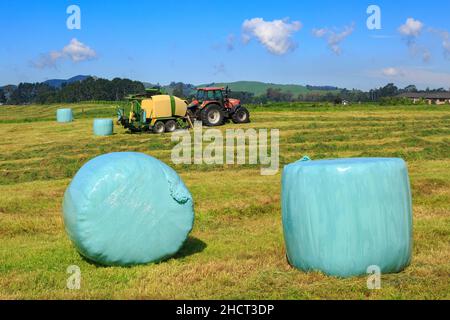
column 103, row 127
column 64, row 115
column 127, row 208
column 343, row 216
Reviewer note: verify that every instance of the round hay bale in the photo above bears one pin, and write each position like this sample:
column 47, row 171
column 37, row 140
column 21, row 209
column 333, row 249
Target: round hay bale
column 103, row 127
column 343, row 216
column 64, row 115
column 127, row 208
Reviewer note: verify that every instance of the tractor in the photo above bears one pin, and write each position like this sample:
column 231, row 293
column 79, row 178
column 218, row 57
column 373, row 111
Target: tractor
column 213, row 107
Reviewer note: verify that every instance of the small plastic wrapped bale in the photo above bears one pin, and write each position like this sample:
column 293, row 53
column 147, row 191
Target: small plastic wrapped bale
column 127, row 208
column 64, row 115
column 103, row 127
column 348, row 216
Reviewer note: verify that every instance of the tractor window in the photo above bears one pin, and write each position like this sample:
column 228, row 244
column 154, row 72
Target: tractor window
column 218, row 95
column 210, row 95
column 200, row 95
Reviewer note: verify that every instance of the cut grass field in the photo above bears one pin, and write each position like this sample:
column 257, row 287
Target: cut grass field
column 236, row 248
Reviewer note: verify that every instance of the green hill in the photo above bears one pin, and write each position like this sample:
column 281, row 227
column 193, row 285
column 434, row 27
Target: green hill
column 260, row 88
column 255, row 87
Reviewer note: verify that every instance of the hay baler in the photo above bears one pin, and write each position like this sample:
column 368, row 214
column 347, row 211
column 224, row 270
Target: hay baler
column 156, row 113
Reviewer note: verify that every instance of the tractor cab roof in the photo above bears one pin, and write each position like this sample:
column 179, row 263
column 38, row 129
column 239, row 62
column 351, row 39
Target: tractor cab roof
column 211, row 89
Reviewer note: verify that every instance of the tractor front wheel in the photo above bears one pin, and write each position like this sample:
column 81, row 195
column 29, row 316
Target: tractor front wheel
column 241, row 115
column 212, row 115
column 170, row 126
column 158, row 127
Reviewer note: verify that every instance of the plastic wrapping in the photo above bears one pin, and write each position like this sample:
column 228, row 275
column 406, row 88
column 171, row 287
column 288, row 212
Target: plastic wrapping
column 103, row 127
column 127, row 208
column 64, row 115
column 342, row 216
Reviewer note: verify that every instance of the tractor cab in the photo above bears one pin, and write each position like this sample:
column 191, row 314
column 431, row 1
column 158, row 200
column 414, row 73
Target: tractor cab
column 210, row 94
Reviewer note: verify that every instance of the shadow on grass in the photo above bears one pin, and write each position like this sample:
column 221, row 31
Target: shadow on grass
column 190, row 247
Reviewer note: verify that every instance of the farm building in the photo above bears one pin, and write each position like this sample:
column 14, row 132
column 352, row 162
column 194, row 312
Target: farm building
column 429, row 97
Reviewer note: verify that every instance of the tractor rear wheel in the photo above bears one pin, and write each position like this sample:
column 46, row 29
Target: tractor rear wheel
column 212, row 115
column 158, row 127
column 241, row 115
column 170, row 126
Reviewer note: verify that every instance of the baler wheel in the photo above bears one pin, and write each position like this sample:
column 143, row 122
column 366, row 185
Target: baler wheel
column 159, row 127
column 170, row 126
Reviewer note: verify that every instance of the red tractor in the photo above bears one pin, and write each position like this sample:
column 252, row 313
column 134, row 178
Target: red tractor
column 213, row 107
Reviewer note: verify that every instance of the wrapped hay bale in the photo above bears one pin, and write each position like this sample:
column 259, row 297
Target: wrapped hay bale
column 127, row 208
column 64, row 115
column 342, row 216
column 103, row 127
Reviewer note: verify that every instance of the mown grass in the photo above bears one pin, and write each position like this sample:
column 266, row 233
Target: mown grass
column 236, row 248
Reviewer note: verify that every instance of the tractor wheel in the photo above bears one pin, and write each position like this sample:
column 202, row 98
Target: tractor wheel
column 158, row 127
column 170, row 126
column 241, row 115
column 212, row 115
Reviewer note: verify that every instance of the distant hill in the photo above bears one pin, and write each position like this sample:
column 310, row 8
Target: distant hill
column 255, row 87
column 9, row 87
column 260, row 88
column 58, row 83
column 148, row 84
column 8, row 90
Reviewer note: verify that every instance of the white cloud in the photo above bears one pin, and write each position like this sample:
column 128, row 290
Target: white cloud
column 275, row 35
column 319, row 32
column 445, row 37
column 392, row 72
column 411, row 28
column 75, row 51
column 419, row 50
column 333, row 37
column 46, row 61
column 420, row 76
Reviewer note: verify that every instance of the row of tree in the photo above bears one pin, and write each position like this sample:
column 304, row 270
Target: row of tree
column 2, row 97
column 315, row 94
column 86, row 90
column 337, row 96
column 116, row 89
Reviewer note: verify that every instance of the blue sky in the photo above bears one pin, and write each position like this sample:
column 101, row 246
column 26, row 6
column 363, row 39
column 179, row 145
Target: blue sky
column 303, row 42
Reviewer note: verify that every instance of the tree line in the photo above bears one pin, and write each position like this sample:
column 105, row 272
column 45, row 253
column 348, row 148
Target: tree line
column 116, row 89
column 90, row 89
column 386, row 94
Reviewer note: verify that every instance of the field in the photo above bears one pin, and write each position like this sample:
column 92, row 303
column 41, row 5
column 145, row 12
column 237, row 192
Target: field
column 236, row 249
